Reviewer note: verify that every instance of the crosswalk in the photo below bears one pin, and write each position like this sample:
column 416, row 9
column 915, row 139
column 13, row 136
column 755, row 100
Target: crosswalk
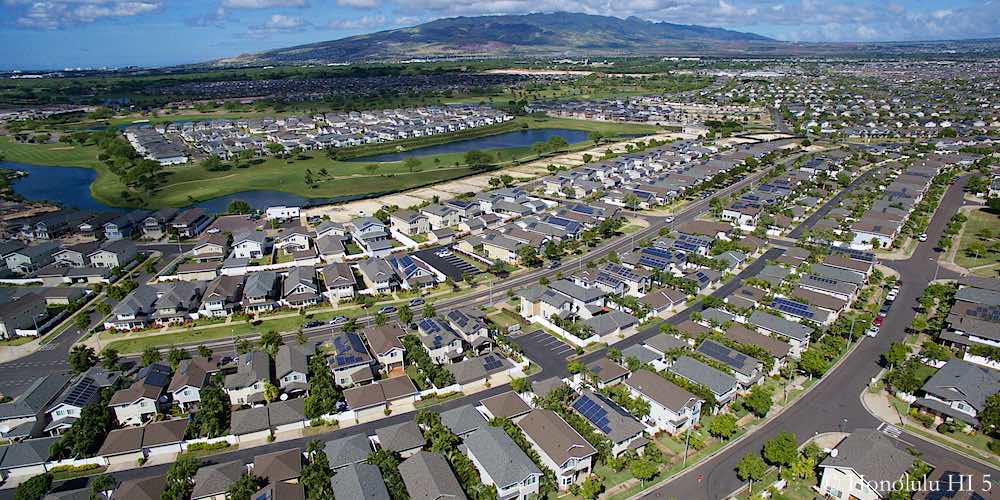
column 890, row 430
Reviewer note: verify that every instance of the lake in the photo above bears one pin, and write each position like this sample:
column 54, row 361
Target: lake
column 515, row 139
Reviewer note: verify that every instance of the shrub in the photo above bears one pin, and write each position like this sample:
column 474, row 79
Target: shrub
column 925, row 419
column 219, row 445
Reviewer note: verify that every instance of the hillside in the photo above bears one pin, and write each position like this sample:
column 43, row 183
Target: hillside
column 563, row 33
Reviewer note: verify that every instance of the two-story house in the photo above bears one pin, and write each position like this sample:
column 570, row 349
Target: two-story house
column 250, row 245
column 299, row 288
column 144, row 398
column 561, row 449
column 222, row 296
column 441, row 343
column 246, row 386
column 260, row 292
column 352, row 363
column 386, row 345
column 291, row 367
column 188, row 381
column 671, row 408
column 113, row 254
column 502, row 463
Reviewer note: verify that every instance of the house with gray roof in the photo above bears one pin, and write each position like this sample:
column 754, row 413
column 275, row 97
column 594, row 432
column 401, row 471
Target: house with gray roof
column 561, row 448
column 404, row 438
column 26, row 457
column 723, row 385
column 250, row 423
column 359, row 481
column 261, row 292
column 796, row 335
column 747, row 369
column 82, row 390
column 428, row 476
column 213, row 480
column 348, row 450
column 246, row 386
column 24, row 416
column 291, row 367
column 479, row 368
column 671, row 408
column 958, row 391
column 462, row 420
column 621, row 428
column 501, row 463
column 865, row 459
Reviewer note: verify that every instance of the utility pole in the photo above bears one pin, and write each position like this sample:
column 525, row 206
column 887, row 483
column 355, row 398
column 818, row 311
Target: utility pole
column 687, row 439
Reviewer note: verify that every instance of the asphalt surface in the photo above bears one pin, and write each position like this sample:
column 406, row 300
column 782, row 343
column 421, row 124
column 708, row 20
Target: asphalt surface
column 17, row 375
column 834, row 404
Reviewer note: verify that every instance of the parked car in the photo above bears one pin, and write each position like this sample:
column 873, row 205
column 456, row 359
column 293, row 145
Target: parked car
column 313, row 324
column 416, row 302
column 338, row 320
column 873, row 331
column 922, row 237
column 878, row 320
column 668, row 219
column 387, row 309
column 891, row 296
column 555, row 264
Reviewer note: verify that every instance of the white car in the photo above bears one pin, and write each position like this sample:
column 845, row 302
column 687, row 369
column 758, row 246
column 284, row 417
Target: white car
column 668, row 219
column 922, row 237
column 873, row 331
column 891, row 296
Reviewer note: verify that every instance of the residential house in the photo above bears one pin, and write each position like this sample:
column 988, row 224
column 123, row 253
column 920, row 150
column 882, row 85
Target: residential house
column 31, row 258
column 865, row 465
column 747, row 370
column 379, row 276
column 386, row 345
column 621, row 428
column 22, row 317
column 84, row 389
column 671, row 408
column 339, row 281
column 154, row 227
column 404, row 439
column 246, row 386
column 214, row 248
column 291, row 367
column 144, row 398
column 428, row 476
column 222, row 296
column 795, row 334
column 191, row 222
column 958, row 391
column 24, row 416
column 442, row 344
column 299, row 288
column 250, row 245
column 723, row 385
column 501, row 463
column 189, row 379
column 351, row 364
column 409, row 222
column 360, row 480
column 560, row 447
column 70, row 255
column 260, row 292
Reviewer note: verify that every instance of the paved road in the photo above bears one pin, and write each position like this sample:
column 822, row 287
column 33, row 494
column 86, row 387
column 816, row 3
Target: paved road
column 834, row 404
column 832, row 203
column 779, row 121
column 17, row 375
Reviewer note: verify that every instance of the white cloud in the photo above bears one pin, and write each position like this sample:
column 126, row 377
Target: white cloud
column 361, row 4
column 278, row 23
column 262, row 4
column 56, row 14
column 363, row 22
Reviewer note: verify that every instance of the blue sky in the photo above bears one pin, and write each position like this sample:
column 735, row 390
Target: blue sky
column 93, row 33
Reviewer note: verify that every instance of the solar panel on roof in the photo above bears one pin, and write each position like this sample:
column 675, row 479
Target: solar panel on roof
column 491, row 363
column 719, row 352
column 428, row 325
column 82, row 392
column 792, row 307
column 593, row 413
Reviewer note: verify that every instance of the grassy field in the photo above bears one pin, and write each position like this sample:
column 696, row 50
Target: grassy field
column 982, row 227
column 192, row 183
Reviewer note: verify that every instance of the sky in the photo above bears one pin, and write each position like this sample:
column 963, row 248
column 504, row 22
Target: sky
column 55, row 34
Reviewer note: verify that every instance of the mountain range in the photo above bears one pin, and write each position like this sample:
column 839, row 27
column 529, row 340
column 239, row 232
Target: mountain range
column 531, row 35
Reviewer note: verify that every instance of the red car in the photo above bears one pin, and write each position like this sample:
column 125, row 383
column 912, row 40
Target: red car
column 878, row 321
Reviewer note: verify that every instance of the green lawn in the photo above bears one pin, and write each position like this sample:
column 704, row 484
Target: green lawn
column 188, row 184
column 984, row 228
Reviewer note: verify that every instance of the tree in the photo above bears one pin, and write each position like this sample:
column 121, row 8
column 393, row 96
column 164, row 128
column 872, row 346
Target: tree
column 323, row 393
column 34, row 488
column 380, row 318
column 82, row 320
column 270, row 341
column 990, row 416
column 528, row 256
column 110, row 358
column 520, row 385
column 429, row 311
column 271, row 392
column 103, row 308
column 632, row 201
column 244, row 487
column 81, row 358
column 239, row 207
column 205, row 351
column 176, row 355
column 404, row 314
column 411, row 164
column 477, row 158
column 813, row 363
column 592, row 487
column 595, row 137
column 896, row 354
column 643, row 469
column 212, row 418
column 751, row 468
column 150, row 355
column 243, row 346
column 102, row 486
column 316, row 473
column 781, row 450
column 723, row 426
column 759, row 400
column 388, row 465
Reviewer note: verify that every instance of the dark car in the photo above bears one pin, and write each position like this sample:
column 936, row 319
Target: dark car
column 387, row 310
column 313, row 324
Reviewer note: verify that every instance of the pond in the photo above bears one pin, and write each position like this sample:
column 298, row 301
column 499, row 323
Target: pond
column 517, row 138
column 70, row 187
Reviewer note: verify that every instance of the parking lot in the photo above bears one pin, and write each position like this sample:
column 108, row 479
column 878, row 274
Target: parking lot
column 451, row 265
column 549, row 352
